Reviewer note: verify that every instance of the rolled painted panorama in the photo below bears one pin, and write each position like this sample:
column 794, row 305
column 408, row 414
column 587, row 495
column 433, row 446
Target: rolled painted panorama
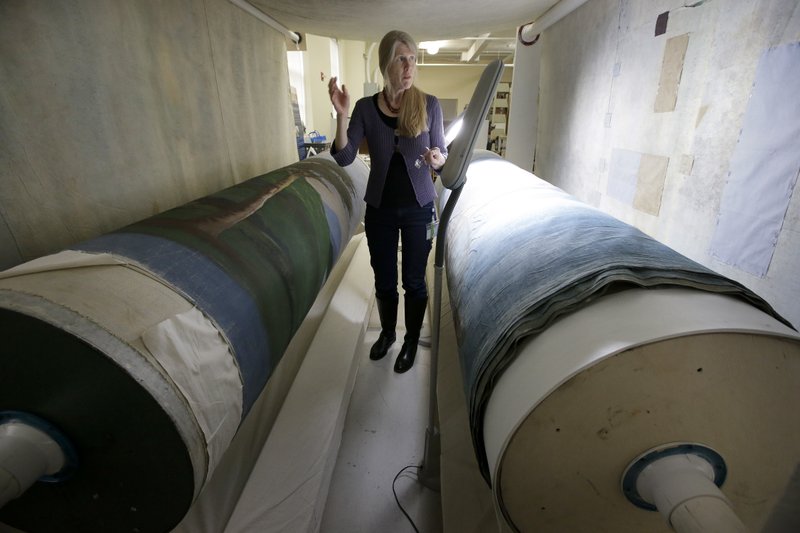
column 253, row 256
column 522, row 253
column 147, row 346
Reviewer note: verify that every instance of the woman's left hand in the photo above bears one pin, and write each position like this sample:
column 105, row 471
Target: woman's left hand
column 434, row 158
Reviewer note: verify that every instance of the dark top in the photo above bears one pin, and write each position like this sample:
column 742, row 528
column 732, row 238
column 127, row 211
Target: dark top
column 397, row 191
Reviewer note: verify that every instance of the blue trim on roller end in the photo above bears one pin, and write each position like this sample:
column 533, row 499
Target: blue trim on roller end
column 70, row 454
column 632, row 473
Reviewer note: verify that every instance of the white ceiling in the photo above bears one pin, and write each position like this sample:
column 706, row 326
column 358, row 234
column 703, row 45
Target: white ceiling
column 460, row 24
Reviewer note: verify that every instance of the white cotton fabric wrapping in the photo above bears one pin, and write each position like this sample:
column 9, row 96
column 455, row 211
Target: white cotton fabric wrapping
column 197, row 358
column 154, row 318
column 63, row 260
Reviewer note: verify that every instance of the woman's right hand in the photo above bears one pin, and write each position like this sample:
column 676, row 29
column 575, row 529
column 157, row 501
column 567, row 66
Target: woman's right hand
column 340, row 98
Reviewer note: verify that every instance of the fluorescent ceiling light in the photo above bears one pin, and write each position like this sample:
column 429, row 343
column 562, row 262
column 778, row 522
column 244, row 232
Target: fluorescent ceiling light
column 432, row 47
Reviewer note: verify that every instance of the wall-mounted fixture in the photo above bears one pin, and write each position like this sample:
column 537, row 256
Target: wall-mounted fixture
column 266, row 19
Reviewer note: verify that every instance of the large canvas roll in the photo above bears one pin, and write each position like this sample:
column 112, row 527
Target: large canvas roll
column 528, row 267
column 630, row 372
column 146, row 347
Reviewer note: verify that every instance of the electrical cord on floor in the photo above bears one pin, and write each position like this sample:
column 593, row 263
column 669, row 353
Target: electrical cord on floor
column 395, row 493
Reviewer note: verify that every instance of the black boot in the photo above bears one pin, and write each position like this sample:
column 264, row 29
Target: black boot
column 415, row 312
column 387, row 309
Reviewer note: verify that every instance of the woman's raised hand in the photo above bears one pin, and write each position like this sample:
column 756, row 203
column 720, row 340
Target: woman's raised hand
column 340, row 98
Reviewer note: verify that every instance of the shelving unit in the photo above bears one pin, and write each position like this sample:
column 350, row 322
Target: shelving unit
column 498, row 119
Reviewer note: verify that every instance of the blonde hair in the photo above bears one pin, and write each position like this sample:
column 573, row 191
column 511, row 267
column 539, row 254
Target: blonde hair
column 413, row 117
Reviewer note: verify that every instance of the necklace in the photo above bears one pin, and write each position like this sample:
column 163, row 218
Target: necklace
column 388, row 105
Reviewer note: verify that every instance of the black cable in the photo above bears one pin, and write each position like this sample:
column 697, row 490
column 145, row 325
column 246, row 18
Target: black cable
column 398, row 500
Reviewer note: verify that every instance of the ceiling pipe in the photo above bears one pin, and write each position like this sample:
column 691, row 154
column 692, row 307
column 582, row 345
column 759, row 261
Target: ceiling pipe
column 521, row 137
column 266, row 19
column 477, row 47
column 482, row 65
column 529, row 33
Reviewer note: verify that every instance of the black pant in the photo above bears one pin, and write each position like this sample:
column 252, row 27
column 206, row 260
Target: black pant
column 382, row 227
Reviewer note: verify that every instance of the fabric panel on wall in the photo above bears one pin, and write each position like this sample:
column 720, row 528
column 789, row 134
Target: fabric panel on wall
column 764, row 166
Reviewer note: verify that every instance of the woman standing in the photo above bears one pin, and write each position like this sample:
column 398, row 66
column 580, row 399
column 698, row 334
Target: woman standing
column 405, row 137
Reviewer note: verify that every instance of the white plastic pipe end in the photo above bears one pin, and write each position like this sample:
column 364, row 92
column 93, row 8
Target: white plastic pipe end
column 26, row 454
column 682, row 488
column 668, row 481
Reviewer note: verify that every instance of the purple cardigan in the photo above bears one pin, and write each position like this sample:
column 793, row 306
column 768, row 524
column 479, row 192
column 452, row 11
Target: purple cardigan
column 366, row 122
